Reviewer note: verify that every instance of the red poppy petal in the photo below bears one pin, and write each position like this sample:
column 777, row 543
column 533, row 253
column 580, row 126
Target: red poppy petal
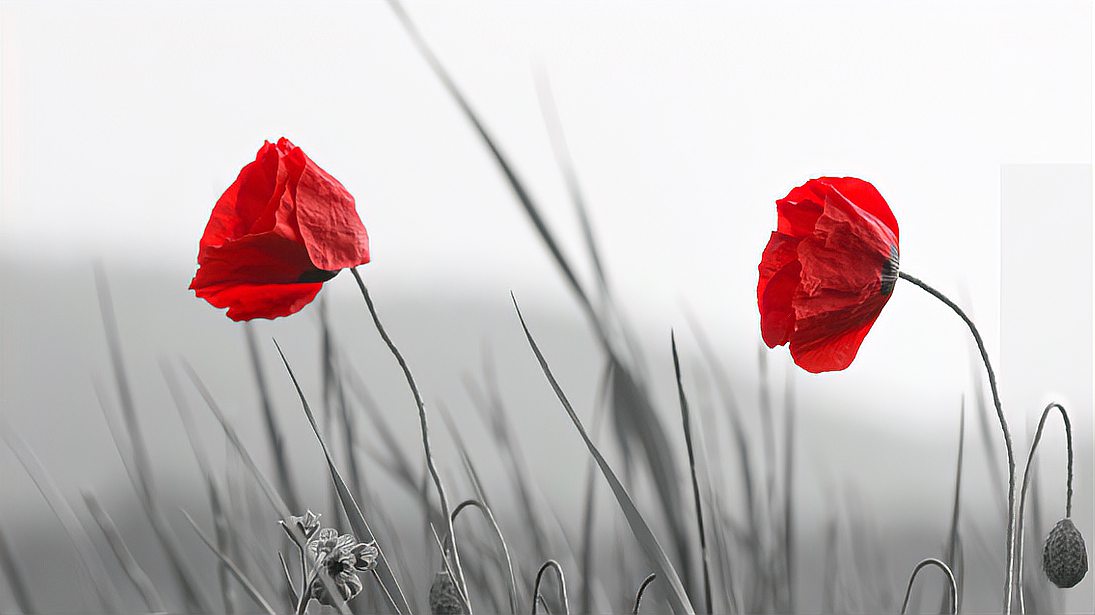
column 258, row 276
column 780, row 251
column 865, row 196
column 777, row 313
column 264, row 259
column 250, row 301
column 798, row 211
column 328, row 221
column 841, row 264
column 245, row 200
column 827, row 353
column 779, row 276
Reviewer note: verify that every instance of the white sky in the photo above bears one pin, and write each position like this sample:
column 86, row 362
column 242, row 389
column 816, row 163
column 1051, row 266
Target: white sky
column 123, row 122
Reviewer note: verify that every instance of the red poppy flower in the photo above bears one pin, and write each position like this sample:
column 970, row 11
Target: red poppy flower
column 282, row 229
column 828, row 270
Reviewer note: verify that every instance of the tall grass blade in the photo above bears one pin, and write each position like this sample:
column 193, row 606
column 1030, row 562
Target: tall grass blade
column 402, row 468
column 273, row 432
column 246, row 583
column 589, row 574
column 89, row 557
column 952, row 535
column 635, row 420
column 142, row 461
column 566, row 166
column 216, row 503
column 268, row 490
column 789, row 491
column 737, row 428
column 677, row 596
column 687, row 426
column 132, row 569
column 493, row 413
column 349, row 504
column 15, row 578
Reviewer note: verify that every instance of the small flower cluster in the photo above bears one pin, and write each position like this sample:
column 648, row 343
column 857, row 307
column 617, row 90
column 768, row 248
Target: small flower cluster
column 332, row 560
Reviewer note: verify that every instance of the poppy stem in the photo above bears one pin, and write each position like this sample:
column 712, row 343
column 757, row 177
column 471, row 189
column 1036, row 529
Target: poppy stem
column 1026, row 483
column 459, row 572
column 1010, row 560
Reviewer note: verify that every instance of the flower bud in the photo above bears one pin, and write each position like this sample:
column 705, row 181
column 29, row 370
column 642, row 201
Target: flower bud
column 365, row 554
column 1064, row 556
column 308, row 524
column 444, row 596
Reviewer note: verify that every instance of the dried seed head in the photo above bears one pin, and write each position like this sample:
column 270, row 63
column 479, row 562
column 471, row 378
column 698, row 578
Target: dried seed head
column 444, row 597
column 1064, row 556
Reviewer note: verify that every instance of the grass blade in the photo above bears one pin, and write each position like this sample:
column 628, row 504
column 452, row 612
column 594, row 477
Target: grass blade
column 142, row 460
column 588, row 572
column 952, row 541
column 686, row 420
column 272, row 495
column 15, row 577
column 349, row 504
column 273, row 432
column 89, row 557
column 247, row 585
column 789, row 491
column 639, row 420
column 216, row 501
column 678, row 598
column 129, row 564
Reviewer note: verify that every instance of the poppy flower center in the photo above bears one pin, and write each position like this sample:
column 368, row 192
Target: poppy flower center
column 316, row 275
column 889, row 272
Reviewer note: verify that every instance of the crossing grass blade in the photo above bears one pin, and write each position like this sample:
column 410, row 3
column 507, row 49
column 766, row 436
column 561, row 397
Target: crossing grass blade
column 952, row 535
column 14, row 576
column 212, row 487
column 678, row 598
column 142, row 461
column 273, row 432
column 353, row 512
column 244, row 582
column 89, row 557
column 132, row 569
column 687, row 423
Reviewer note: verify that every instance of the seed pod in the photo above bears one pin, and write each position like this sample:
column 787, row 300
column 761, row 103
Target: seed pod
column 1064, row 556
column 444, row 597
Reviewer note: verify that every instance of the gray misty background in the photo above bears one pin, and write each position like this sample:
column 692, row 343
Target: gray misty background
column 121, row 123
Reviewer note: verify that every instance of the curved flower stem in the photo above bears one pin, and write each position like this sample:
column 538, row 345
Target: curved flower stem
column 642, row 589
column 1010, row 560
column 931, row 561
column 459, row 572
column 501, row 539
column 1026, row 483
column 562, row 585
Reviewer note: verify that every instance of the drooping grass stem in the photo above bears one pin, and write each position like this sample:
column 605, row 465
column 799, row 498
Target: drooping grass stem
column 562, row 585
column 1010, row 534
column 425, row 433
column 501, row 539
column 931, row 561
column 1026, row 483
column 642, row 590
